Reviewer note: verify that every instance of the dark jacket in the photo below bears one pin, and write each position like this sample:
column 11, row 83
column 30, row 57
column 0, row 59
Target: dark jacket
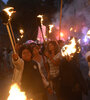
column 31, row 78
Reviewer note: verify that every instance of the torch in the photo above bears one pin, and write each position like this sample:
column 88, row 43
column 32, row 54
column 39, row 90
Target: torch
column 41, row 17
column 70, row 49
column 6, row 17
column 21, row 31
column 50, row 28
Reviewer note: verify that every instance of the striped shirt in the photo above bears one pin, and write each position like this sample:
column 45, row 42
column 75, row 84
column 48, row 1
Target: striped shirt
column 54, row 70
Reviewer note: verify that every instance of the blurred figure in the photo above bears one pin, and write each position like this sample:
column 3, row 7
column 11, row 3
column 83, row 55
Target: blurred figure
column 72, row 80
column 26, row 73
column 61, row 44
column 54, row 56
column 88, row 60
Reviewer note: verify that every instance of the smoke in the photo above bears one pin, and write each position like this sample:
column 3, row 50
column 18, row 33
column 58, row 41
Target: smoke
column 76, row 15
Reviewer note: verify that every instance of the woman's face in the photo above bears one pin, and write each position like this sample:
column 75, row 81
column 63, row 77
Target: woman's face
column 35, row 50
column 26, row 55
column 51, row 47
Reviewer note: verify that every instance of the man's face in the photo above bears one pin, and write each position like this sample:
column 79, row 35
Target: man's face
column 26, row 55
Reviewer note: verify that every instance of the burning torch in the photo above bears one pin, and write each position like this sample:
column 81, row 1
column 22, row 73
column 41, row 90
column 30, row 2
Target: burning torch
column 41, row 17
column 70, row 49
column 50, row 28
column 21, row 31
column 6, row 18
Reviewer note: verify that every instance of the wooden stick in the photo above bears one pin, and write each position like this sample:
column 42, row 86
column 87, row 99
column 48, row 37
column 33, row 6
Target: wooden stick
column 60, row 18
column 42, row 35
column 7, row 26
column 12, row 31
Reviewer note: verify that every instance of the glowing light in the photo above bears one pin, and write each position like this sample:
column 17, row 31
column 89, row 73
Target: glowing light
column 88, row 34
column 21, row 31
column 85, row 39
column 41, row 17
column 71, row 29
column 21, row 36
column 16, row 94
column 9, row 11
column 70, row 49
column 75, row 30
column 18, row 39
column 38, row 39
column 79, row 41
column 61, row 34
column 50, row 28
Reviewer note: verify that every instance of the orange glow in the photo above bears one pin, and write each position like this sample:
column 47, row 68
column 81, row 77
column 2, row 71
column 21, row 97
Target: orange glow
column 61, row 34
column 16, row 94
column 21, row 36
column 21, row 31
column 88, row 33
column 75, row 30
column 70, row 49
column 71, row 28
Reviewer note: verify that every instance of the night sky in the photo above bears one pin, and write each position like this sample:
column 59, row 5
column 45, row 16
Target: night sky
column 5, row 1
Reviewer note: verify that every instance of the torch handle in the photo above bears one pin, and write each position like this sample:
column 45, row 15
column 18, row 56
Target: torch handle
column 7, row 26
column 12, row 31
column 42, row 35
column 60, row 18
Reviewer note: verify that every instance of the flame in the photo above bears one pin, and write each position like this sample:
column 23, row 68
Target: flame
column 9, row 11
column 88, row 34
column 71, row 29
column 41, row 17
column 21, row 31
column 61, row 34
column 50, row 28
column 16, row 94
column 79, row 41
column 18, row 39
column 21, row 36
column 69, row 50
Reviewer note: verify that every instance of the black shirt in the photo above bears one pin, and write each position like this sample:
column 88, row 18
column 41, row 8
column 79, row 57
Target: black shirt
column 31, row 78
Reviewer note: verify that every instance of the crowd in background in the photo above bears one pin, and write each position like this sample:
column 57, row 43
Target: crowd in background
column 42, row 71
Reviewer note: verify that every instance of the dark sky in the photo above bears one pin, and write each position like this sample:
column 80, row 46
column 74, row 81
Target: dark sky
column 5, row 1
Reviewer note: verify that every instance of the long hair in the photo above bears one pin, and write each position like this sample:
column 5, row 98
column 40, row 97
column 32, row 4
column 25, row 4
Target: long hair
column 55, row 47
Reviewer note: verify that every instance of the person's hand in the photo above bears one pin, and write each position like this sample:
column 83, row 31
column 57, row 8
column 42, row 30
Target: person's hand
column 50, row 91
column 15, row 57
column 17, row 47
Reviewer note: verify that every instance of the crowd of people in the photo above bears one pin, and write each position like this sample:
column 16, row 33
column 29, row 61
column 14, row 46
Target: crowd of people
column 44, row 74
